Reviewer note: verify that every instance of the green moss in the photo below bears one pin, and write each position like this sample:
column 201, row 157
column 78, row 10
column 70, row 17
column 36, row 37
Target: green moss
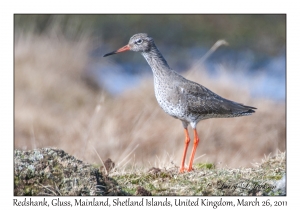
column 130, row 191
column 275, row 177
column 28, row 191
column 204, row 165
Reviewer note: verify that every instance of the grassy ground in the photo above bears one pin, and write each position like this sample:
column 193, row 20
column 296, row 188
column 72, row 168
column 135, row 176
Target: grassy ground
column 207, row 180
column 53, row 172
column 57, row 105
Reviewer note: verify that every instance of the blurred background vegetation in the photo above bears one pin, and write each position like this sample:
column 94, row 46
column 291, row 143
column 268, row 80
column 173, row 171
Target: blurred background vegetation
column 262, row 33
column 65, row 91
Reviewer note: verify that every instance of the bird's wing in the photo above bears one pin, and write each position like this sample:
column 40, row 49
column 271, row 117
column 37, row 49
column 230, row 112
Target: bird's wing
column 203, row 101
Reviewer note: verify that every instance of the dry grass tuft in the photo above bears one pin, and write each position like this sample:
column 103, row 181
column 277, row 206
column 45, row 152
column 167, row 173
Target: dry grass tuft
column 55, row 106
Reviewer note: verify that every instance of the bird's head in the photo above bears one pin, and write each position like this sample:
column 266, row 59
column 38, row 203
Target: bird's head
column 138, row 43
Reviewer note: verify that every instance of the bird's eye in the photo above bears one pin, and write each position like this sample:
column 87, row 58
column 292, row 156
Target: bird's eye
column 139, row 41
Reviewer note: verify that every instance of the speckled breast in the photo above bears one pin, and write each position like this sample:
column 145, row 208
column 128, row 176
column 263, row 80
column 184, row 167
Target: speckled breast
column 171, row 99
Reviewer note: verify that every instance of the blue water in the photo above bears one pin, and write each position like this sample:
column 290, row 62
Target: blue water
column 263, row 75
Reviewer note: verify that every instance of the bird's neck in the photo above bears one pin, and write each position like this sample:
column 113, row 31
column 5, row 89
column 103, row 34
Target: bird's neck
column 156, row 61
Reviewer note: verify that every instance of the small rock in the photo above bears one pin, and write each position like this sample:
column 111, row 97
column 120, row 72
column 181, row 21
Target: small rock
column 142, row 191
column 154, row 170
column 109, row 165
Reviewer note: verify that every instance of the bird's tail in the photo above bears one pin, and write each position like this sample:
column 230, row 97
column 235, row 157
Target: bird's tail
column 249, row 109
column 242, row 110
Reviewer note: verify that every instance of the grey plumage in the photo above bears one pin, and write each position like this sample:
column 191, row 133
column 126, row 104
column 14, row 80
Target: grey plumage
column 181, row 98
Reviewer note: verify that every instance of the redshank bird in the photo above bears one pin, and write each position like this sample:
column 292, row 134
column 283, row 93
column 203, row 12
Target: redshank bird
column 181, row 98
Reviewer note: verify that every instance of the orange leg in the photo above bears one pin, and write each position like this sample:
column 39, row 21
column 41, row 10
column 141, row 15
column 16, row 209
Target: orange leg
column 187, row 141
column 196, row 142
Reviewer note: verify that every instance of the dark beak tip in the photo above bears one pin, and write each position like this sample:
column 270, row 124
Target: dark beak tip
column 107, row 54
column 122, row 49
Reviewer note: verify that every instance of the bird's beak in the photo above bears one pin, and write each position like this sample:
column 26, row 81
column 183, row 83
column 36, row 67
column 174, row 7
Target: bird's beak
column 122, row 49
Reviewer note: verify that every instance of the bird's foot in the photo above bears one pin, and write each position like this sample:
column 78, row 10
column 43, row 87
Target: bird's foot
column 182, row 170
